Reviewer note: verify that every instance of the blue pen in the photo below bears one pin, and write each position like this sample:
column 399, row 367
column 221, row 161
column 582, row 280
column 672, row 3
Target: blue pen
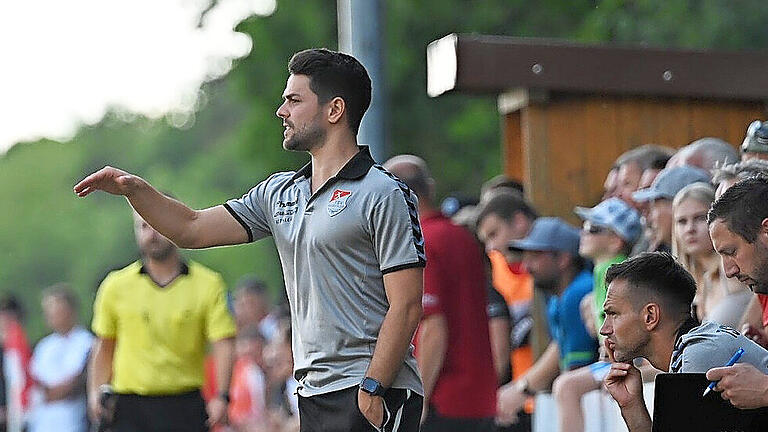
column 731, row 362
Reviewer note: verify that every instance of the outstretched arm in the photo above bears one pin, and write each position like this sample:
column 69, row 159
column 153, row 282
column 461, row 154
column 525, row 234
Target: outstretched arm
column 186, row 227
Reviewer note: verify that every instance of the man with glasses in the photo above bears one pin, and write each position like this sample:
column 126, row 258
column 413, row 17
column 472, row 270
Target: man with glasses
column 610, row 230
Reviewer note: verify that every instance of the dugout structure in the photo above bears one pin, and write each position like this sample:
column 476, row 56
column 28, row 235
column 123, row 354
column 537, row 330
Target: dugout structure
column 568, row 110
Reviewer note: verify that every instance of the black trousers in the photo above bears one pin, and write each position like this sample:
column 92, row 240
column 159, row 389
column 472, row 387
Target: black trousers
column 437, row 423
column 177, row 413
column 338, row 412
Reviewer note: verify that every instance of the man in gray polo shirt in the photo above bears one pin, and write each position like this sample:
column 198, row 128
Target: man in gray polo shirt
column 350, row 245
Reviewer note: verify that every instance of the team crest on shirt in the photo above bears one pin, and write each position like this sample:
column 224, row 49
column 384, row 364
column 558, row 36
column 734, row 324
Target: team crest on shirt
column 338, row 202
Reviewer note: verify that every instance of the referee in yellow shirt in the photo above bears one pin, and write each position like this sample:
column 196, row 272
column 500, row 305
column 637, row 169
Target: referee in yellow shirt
column 154, row 319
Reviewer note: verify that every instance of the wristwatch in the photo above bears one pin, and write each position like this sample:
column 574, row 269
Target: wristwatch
column 372, row 387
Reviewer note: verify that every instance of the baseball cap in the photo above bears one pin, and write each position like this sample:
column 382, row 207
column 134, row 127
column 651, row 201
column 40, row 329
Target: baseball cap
column 756, row 140
column 616, row 215
column 549, row 234
column 669, row 182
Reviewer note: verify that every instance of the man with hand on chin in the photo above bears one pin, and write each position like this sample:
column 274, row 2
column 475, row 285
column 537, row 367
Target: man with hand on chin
column 648, row 315
column 350, row 243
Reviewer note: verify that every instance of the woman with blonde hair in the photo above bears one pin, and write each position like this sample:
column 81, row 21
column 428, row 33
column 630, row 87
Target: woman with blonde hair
column 717, row 298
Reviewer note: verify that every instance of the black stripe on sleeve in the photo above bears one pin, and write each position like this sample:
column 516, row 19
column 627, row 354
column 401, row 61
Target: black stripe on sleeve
column 419, row 263
column 241, row 221
column 418, row 238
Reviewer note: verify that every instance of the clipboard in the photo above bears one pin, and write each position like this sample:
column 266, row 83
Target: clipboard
column 679, row 406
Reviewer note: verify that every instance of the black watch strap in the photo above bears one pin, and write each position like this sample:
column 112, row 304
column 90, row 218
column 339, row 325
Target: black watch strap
column 372, row 387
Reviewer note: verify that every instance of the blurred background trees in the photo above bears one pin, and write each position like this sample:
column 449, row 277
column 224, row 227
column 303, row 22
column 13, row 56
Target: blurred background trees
column 48, row 235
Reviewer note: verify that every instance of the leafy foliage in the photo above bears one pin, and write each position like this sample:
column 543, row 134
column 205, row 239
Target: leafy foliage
column 48, row 235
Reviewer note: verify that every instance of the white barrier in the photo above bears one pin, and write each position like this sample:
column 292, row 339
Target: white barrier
column 601, row 413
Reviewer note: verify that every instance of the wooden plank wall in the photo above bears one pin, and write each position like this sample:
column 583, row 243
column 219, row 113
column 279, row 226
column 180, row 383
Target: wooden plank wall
column 563, row 148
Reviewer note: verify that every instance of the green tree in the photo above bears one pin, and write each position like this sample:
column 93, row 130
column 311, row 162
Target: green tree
column 48, row 235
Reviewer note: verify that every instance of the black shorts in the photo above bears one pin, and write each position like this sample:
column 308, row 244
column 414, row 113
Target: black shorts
column 437, row 423
column 177, row 413
column 338, row 412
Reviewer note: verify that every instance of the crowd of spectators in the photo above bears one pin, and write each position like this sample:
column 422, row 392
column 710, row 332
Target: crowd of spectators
column 44, row 388
column 486, row 260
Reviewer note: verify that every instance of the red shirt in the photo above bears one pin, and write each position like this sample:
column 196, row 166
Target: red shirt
column 455, row 286
column 16, row 356
column 764, row 306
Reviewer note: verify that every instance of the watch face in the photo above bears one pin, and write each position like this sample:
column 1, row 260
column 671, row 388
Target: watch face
column 370, row 385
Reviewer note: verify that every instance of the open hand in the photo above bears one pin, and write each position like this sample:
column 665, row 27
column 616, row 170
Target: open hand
column 108, row 179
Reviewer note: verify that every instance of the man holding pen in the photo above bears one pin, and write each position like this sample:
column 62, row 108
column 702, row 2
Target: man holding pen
column 648, row 315
column 738, row 226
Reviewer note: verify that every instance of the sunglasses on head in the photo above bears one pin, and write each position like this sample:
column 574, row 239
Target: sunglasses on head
column 592, row 229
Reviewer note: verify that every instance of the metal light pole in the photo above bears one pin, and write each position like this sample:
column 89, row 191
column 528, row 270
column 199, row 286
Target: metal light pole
column 361, row 34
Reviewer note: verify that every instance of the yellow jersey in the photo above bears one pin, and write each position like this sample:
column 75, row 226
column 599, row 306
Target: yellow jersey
column 161, row 333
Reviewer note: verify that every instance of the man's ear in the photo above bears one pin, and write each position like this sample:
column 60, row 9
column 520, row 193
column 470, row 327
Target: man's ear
column 336, row 109
column 431, row 187
column 564, row 259
column 520, row 222
column 651, row 315
column 617, row 243
column 764, row 225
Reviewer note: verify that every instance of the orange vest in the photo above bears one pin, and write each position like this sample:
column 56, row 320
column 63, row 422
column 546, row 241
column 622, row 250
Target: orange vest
column 517, row 289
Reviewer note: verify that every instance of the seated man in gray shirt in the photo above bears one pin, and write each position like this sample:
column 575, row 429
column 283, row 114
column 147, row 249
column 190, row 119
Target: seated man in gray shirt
column 648, row 315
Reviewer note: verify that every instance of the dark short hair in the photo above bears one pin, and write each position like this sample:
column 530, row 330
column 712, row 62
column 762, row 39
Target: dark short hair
column 656, row 274
column 504, row 205
column 10, row 304
column 743, row 207
column 334, row 74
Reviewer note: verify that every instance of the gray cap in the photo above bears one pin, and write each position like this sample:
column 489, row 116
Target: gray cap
column 550, row 234
column 756, row 140
column 669, row 182
column 616, row 215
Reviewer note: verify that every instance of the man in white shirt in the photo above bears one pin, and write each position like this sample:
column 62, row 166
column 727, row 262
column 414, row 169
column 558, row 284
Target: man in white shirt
column 58, row 367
